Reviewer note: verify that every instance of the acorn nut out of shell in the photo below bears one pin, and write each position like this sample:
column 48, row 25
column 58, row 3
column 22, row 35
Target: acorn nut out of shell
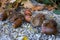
column 27, row 18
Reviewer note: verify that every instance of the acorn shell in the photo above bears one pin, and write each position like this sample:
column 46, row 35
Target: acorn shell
column 17, row 23
column 49, row 27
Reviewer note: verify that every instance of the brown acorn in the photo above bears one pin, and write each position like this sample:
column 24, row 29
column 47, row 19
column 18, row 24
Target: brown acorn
column 17, row 23
column 37, row 20
column 49, row 27
column 27, row 18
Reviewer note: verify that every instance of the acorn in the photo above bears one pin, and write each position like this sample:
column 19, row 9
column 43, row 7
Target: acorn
column 37, row 20
column 49, row 27
column 27, row 18
column 17, row 23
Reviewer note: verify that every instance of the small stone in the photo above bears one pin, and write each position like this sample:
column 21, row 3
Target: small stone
column 19, row 38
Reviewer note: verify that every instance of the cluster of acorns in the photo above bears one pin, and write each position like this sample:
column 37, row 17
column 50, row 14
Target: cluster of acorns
column 48, row 27
column 16, row 18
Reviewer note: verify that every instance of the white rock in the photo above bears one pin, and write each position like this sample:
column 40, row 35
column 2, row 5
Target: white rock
column 5, row 38
column 19, row 38
column 57, row 38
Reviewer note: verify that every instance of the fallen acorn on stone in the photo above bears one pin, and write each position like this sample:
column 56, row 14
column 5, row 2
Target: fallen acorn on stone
column 49, row 27
column 27, row 15
column 27, row 18
column 37, row 20
column 17, row 23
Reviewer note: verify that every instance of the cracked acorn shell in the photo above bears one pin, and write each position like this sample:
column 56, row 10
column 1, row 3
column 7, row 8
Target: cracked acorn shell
column 49, row 27
column 37, row 20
